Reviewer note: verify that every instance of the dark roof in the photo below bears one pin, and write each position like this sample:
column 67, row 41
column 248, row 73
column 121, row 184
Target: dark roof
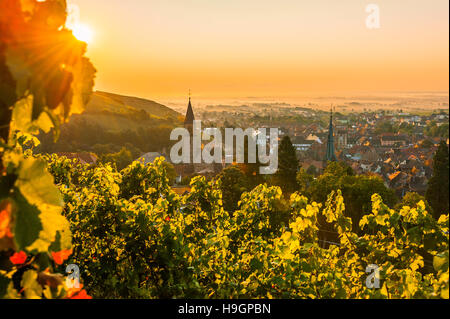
column 393, row 138
column 189, row 115
column 301, row 140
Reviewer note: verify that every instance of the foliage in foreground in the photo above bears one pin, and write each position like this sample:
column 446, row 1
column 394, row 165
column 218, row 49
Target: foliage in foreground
column 44, row 78
column 134, row 237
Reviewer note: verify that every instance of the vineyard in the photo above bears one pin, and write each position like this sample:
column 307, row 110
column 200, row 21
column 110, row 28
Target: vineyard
column 132, row 236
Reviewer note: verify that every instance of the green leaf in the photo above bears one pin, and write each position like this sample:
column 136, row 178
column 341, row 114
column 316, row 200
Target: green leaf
column 4, row 282
column 440, row 263
column 39, row 220
column 56, row 124
column 81, row 87
column 11, row 292
column 56, row 229
column 28, row 224
column 30, row 285
column 36, row 184
column 22, row 118
column 63, row 238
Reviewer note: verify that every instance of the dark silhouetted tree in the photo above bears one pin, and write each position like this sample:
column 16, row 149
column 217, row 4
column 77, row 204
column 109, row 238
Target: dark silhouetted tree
column 437, row 192
column 233, row 183
column 121, row 159
column 288, row 166
column 251, row 170
column 312, row 170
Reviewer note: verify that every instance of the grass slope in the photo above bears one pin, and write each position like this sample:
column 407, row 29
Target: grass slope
column 115, row 112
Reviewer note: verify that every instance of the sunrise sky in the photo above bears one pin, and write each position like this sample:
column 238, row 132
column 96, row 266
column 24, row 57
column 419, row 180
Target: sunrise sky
column 161, row 48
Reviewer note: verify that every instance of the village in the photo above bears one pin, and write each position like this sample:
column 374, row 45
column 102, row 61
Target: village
column 404, row 160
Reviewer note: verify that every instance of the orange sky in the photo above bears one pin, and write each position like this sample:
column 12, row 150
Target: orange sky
column 161, row 48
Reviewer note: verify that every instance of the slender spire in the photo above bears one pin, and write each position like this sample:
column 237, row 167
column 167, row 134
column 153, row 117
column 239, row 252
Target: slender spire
column 330, row 155
column 189, row 120
column 330, row 127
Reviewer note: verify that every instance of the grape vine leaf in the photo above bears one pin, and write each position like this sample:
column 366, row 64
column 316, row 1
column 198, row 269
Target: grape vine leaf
column 39, row 208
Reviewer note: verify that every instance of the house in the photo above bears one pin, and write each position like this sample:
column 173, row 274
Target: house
column 301, row 144
column 393, row 140
column 341, row 137
column 318, row 165
column 312, row 137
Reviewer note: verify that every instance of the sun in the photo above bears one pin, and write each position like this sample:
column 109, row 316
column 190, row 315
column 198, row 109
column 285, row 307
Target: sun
column 82, row 32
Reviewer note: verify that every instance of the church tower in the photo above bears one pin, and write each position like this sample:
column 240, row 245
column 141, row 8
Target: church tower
column 330, row 155
column 189, row 120
column 189, row 168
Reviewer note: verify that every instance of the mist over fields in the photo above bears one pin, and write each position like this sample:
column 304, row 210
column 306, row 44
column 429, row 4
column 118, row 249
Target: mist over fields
column 357, row 102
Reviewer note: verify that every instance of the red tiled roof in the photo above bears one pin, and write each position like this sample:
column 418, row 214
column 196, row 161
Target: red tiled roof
column 393, row 176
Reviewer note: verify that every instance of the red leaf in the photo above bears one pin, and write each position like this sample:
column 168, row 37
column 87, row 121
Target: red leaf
column 81, row 295
column 18, row 258
column 61, row 256
column 5, row 219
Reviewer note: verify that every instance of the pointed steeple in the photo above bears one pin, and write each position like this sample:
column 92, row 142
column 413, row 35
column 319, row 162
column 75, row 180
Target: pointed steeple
column 330, row 155
column 189, row 120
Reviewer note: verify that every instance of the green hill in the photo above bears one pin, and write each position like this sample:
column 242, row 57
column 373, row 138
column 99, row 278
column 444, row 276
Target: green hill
column 115, row 112
column 114, row 103
column 113, row 121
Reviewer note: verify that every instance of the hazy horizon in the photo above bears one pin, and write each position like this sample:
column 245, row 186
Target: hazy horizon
column 416, row 101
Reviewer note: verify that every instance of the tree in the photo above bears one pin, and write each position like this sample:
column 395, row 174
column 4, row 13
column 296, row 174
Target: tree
column 426, row 144
column 406, row 128
column 411, row 199
column 170, row 171
column 251, row 170
column 385, row 127
column 233, row 183
column 304, row 180
column 432, row 129
column 437, row 192
column 288, row 166
column 330, row 180
column 312, row 170
column 135, row 151
column 122, row 159
column 357, row 190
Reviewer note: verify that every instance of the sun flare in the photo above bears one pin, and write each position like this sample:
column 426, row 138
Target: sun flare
column 83, row 33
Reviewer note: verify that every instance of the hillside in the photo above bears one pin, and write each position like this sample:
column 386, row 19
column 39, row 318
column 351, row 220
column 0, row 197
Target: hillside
column 114, row 103
column 113, row 121
column 115, row 112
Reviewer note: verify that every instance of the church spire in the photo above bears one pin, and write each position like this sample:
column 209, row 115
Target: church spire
column 330, row 155
column 189, row 120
